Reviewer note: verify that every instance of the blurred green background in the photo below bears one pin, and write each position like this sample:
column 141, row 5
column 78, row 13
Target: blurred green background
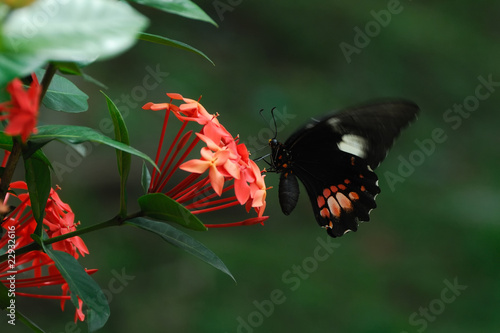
column 436, row 227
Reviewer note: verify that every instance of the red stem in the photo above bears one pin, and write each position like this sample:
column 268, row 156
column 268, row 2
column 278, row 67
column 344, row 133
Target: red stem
column 231, row 204
column 181, row 159
column 200, row 204
column 180, row 188
column 158, row 151
column 167, row 155
column 251, row 221
column 183, row 195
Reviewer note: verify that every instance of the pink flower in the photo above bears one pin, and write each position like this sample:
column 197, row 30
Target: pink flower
column 227, row 163
column 211, row 161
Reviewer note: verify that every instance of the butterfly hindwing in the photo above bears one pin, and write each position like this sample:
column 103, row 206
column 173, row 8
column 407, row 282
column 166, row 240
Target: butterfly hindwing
column 341, row 195
column 334, row 156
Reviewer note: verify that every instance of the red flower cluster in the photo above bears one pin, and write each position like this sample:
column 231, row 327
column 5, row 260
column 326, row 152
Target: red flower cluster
column 226, row 160
column 58, row 220
column 22, row 109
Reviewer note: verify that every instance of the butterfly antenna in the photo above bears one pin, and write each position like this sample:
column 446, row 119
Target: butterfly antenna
column 262, row 116
column 274, row 121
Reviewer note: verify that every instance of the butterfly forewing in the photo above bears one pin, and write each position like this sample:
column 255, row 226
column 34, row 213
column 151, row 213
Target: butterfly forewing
column 334, row 158
column 379, row 124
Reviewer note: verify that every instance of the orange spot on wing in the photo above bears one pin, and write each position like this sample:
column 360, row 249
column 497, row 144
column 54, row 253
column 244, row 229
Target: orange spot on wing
column 344, row 202
column 334, row 206
column 342, row 187
column 352, row 160
column 361, row 176
column 334, row 189
column 326, row 192
column 362, row 188
column 346, row 181
column 353, row 196
column 324, row 213
column 321, row 201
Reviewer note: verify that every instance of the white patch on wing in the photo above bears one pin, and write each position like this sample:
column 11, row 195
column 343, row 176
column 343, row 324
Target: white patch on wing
column 333, row 122
column 353, row 144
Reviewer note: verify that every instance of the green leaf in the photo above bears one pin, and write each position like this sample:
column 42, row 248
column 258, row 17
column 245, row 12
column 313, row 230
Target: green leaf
column 76, row 30
column 83, row 286
column 37, row 174
column 123, row 158
column 79, row 134
column 184, row 8
column 93, row 80
column 72, row 68
column 145, row 178
column 181, row 240
column 170, row 42
column 68, row 67
column 40, row 156
column 63, row 95
column 5, row 141
column 163, row 208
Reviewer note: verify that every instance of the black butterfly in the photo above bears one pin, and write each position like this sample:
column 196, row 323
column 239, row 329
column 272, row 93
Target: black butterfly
column 334, row 157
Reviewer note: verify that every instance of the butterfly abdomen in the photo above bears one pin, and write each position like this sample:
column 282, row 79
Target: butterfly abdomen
column 288, row 192
column 289, row 186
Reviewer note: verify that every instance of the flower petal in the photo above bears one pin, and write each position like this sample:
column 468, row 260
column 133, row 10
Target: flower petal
column 159, row 106
column 216, row 180
column 22, row 109
column 221, row 157
column 232, row 169
column 206, row 153
column 195, row 166
column 210, row 143
column 242, row 190
column 175, row 96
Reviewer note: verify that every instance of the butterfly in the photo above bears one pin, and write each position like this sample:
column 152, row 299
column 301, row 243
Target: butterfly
column 334, row 157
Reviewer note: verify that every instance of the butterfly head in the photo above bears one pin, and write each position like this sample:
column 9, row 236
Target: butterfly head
column 280, row 156
column 274, row 143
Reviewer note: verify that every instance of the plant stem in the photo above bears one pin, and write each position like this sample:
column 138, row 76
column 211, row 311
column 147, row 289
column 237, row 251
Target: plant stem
column 47, row 78
column 115, row 221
